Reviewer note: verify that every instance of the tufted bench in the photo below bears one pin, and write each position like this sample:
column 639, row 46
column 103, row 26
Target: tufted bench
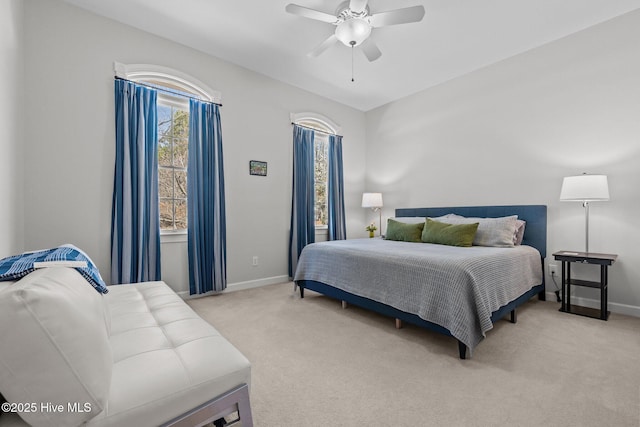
column 137, row 355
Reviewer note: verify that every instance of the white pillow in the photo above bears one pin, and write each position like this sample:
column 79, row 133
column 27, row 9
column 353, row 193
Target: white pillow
column 418, row 219
column 54, row 346
column 497, row 232
column 409, row 219
column 519, row 233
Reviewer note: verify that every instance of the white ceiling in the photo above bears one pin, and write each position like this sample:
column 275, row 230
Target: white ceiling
column 454, row 38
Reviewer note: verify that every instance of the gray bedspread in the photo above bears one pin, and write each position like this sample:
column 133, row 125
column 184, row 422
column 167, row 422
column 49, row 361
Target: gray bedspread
column 457, row 288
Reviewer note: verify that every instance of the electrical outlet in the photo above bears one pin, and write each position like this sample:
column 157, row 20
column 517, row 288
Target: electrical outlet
column 553, row 269
column 255, row 261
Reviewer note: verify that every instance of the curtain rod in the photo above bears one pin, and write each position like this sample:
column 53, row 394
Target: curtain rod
column 162, row 89
column 314, row 129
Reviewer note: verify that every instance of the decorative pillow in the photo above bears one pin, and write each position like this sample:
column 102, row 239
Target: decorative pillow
column 497, row 232
column 403, row 232
column 17, row 266
column 519, row 234
column 55, row 346
column 449, row 234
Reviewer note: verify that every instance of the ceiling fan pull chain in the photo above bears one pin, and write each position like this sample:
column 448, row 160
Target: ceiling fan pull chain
column 352, row 45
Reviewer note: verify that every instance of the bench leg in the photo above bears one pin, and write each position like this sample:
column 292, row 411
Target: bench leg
column 514, row 317
column 214, row 411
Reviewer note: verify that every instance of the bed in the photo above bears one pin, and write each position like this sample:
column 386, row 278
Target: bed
column 392, row 278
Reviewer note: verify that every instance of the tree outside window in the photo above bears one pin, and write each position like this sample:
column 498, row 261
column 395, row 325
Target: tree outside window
column 173, row 142
column 320, row 179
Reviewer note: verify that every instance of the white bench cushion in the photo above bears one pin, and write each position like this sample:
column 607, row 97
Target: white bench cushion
column 54, row 346
column 167, row 360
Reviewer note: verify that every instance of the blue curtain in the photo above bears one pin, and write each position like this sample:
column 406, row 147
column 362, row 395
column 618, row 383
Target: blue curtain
column 335, row 184
column 302, row 231
column 135, row 227
column 207, row 235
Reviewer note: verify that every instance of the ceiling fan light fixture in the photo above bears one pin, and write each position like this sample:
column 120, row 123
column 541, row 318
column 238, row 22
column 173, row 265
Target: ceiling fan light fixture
column 354, row 23
column 353, row 32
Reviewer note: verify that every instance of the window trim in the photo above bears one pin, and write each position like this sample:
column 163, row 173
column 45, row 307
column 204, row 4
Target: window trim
column 173, row 236
column 143, row 72
column 318, row 121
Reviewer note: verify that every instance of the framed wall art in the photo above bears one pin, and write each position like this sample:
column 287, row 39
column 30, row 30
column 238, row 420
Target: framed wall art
column 257, row 167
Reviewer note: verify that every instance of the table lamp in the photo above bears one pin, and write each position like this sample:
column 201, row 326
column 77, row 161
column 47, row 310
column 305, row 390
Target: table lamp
column 585, row 188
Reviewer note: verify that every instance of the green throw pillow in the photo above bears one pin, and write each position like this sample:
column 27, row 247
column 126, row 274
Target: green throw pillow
column 449, row 234
column 404, row 232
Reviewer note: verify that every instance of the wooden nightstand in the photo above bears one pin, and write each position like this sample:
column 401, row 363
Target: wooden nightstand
column 604, row 261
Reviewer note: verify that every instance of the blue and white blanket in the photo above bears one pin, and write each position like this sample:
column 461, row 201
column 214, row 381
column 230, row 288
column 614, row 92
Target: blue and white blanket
column 17, row 266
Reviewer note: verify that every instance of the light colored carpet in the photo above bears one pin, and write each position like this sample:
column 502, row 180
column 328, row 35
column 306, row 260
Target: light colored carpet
column 315, row 364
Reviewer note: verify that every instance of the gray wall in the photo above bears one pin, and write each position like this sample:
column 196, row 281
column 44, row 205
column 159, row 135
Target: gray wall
column 11, row 85
column 509, row 133
column 69, row 59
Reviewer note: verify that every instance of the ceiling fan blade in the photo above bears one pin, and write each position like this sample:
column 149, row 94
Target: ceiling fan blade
column 358, row 5
column 398, row 16
column 323, row 46
column 370, row 50
column 310, row 13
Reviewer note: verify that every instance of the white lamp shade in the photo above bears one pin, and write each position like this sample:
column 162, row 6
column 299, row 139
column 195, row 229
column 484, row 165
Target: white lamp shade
column 584, row 188
column 372, row 200
column 353, row 31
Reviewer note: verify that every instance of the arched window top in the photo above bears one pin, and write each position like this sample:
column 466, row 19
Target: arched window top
column 169, row 78
column 316, row 121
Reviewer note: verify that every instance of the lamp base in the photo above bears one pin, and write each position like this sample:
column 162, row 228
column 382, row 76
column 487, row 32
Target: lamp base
column 586, row 226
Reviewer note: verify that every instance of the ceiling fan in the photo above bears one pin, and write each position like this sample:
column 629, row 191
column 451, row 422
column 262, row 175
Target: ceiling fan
column 354, row 23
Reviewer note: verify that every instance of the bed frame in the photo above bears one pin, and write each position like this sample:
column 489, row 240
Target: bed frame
column 535, row 235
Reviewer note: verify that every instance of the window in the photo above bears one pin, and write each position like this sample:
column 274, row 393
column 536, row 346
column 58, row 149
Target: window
column 320, row 142
column 173, row 143
column 323, row 127
column 173, row 134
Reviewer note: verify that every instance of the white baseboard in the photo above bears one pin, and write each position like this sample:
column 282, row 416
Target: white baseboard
column 614, row 307
column 240, row 286
column 250, row 284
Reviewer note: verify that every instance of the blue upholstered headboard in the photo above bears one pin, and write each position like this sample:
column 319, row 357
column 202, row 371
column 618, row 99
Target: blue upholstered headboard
column 535, row 232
